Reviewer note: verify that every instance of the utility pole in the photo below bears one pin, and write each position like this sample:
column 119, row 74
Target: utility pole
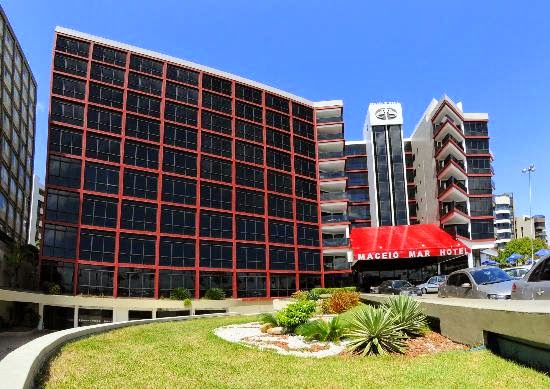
column 529, row 170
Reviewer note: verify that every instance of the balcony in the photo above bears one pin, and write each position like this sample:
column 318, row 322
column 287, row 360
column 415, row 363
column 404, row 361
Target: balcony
column 451, row 167
column 454, row 213
column 330, row 119
column 452, row 190
column 331, row 154
column 327, row 175
column 449, row 146
column 329, row 196
column 330, row 136
column 334, row 218
column 335, row 242
column 446, row 128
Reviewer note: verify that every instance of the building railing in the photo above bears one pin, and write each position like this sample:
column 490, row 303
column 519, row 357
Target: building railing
column 322, row 136
column 448, row 138
column 437, row 127
column 334, row 218
column 332, row 174
column 335, row 242
column 443, row 185
column 334, row 196
column 330, row 119
column 443, row 164
column 330, row 154
column 449, row 207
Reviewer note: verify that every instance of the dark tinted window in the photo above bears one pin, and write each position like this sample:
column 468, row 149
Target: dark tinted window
column 216, row 255
column 216, row 102
column 250, row 228
column 249, row 152
column 64, row 172
column 59, row 241
column 177, row 220
column 138, row 127
column 218, row 123
column 138, row 216
column 99, row 211
column 101, row 178
column 97, row 246
column 104, row 120
column 105, row 95
column 105, row 54
column 140, row 154
column 62, row 206
column 279, row 182
column 182, row 93
column 216, row 196
column 179, row 162
column 145, row 84
column 63, row 111
column 140, row 184
column 181, row 114
column 216, row 84
column 216, row 225
column 144, row 104
column 250, row 256
column 250, row 201
column 216, row 169
column 137, row 249
column 64, row 140
column 72, row 46
column 281, row 258
column 180, row 136
column 146, row 65
column 102, row 147
column 279, row 103
column 182, row 75
column 214, row 144
column 178, row 190
column 71, row 65
column 248, row 111
column 250, row 176
column 177, row 252
column 69, row 87
column 249, row 131
column 107, row 74
column 248, row 93
column 281, row 232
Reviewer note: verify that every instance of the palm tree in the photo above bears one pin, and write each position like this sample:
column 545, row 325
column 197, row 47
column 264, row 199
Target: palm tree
column 20, row 264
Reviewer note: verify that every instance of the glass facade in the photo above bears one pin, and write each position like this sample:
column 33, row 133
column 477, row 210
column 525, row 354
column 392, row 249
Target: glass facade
column 17, row 119
column 162, row 176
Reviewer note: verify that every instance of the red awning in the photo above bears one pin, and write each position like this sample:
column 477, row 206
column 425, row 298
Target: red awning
column 392, row 242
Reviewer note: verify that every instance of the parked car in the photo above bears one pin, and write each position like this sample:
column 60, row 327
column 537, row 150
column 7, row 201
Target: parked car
column 517, row 272
column 432, row 285
column 399, row 287
column 535, row 285
column 478, row 283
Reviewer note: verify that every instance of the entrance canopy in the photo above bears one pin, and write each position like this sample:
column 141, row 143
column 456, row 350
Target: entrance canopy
column 414, row 241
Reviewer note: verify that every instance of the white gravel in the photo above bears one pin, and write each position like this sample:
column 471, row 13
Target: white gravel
column 249, row 334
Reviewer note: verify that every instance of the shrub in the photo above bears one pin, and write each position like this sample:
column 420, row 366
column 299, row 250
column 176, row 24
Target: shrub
column 296, row 314
column 407, row 314
column 214, row 294
column 52, row 288
column 340, row 301
column 268, row 318
column 320, row 291
column 187, row 303
column 180, row 294
column 325, row 331
column 374, row 331
column 300, row 295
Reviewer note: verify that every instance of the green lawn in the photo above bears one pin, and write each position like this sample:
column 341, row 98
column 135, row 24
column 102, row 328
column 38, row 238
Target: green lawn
column 188, row 355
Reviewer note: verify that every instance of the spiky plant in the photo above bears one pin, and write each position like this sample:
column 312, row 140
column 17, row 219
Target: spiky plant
column 374, row 331
column 268, row 318
column 407, row 314
column 326, row 331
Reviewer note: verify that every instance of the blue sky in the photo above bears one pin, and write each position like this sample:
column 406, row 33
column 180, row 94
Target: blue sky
column 492, row 55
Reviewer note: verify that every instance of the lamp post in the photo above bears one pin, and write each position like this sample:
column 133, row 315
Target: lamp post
column 529, row 170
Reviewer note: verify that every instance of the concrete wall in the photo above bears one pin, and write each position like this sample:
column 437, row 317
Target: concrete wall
column 121, row 306
column 466, row 320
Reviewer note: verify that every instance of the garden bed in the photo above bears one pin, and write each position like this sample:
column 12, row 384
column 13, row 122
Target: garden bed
column 249, row 334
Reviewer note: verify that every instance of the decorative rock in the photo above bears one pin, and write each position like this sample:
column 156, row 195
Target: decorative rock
column 276, row 331
column 266, row 327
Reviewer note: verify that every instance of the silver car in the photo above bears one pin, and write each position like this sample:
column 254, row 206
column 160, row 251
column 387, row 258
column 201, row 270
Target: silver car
column 517, row 272
column 478, row 283
column 432, row 285
column 535, row 285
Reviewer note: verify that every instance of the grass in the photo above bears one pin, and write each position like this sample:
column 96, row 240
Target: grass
column 188, row 354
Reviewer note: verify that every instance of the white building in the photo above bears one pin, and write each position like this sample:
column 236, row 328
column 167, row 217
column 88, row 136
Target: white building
column 504, row 219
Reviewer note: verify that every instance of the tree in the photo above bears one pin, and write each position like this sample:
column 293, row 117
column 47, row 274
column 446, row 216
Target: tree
column 20, row 266
column 520, row 246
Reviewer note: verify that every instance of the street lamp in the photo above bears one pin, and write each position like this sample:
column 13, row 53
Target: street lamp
column 529, row 170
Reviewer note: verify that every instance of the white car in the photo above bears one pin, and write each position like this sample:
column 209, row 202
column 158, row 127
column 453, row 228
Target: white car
column 517, row 272
column 432, row 285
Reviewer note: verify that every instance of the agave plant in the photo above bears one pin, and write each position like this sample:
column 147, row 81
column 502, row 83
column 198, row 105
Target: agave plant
column 268, row 318
column 407, row 314
column 374, row 331
column 326, row 331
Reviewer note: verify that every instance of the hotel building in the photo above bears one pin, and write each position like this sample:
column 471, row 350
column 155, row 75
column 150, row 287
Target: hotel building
column 163, row 173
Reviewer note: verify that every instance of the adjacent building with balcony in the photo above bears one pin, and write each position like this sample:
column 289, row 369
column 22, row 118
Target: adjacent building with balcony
column 532, row 227
column 17, row 119
column 504, row 219
column 454, row 184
